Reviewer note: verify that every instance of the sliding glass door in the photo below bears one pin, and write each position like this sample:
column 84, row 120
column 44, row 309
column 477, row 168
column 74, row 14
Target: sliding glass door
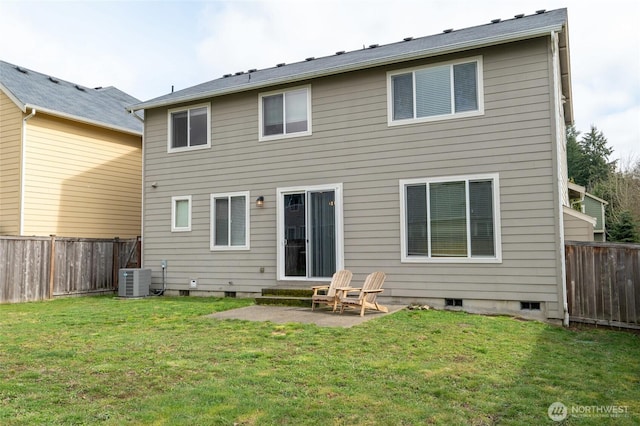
column 309, row 230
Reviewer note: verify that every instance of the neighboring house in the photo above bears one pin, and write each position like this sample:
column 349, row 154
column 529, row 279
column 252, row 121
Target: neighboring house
column 439, row 160
column 586, row 221
column 595, row 207
column 70, row 158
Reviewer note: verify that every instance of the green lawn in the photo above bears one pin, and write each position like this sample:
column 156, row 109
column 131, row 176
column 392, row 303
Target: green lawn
column 160, row 361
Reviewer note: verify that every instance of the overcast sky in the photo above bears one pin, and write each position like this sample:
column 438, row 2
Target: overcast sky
column 146, row 47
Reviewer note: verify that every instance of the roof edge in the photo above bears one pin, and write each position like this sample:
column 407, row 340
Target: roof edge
column 13, row 97
column 458, row 47
column 83, row 120
column 579, row 215
column 598, row 199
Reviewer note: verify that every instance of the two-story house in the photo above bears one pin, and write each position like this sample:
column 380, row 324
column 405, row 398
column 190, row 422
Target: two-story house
column 439, row 160
column 70, row 158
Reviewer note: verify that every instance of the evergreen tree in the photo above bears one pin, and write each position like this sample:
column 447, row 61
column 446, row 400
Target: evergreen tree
column 575, row 158
column 595, row 162
column 624, row 230
column 588, row 159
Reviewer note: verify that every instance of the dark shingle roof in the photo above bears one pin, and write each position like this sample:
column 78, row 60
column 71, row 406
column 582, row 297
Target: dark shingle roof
column 520, row 27
column 100, row 106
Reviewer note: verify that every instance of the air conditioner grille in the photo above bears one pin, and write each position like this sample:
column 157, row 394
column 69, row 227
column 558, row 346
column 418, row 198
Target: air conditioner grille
column 134, row 282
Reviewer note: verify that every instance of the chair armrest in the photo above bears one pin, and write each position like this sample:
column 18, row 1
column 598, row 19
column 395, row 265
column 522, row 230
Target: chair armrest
column 378, row 290
column 344, row 291
column 315, row 288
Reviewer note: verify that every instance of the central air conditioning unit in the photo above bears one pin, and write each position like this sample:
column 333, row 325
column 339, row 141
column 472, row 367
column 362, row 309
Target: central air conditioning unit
column 134, row 282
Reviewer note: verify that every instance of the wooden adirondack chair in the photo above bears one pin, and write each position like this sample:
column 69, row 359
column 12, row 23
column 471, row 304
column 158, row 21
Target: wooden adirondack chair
column 327, row 294
column 366, row 298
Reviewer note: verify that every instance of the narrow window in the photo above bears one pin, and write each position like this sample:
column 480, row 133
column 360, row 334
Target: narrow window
column 417, row 220
column 181, row 213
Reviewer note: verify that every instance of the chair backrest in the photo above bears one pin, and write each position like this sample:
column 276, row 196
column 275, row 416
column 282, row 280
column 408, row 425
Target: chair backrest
column 373, row 281
column 340, row 279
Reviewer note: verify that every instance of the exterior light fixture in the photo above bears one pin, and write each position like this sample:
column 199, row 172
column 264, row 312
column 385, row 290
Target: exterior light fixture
column 260, row 201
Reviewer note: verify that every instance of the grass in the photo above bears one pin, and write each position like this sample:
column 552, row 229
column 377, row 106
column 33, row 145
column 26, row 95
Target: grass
column 161, row 361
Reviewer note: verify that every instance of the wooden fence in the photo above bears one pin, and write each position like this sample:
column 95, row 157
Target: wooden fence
column 603, row 283
column 37, row 268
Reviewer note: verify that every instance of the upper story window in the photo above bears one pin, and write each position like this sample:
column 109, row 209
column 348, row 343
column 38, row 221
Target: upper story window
column 189, row 128
column 436, row 92
column 285, row 114
column 450, row 219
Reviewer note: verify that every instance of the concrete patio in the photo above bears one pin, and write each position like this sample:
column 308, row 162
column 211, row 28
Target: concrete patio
column 322, row 317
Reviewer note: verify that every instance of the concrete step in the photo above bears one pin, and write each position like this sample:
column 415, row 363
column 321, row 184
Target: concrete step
column 285, row 296
column 284, row 301
column 281, row 291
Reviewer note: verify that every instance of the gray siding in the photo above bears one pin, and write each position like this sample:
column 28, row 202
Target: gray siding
column 576, row 229
column 353, row 145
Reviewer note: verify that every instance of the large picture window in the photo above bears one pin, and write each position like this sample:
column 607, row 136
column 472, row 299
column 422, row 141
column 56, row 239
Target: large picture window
column 189, row 128
column 285, row 114
column 451, row 219
column 436, row 92
column 230, row 221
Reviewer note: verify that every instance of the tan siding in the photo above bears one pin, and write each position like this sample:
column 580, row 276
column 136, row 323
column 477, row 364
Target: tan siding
column 81, row 180
column 576, row 229
column 10, row 161
column 352, row 144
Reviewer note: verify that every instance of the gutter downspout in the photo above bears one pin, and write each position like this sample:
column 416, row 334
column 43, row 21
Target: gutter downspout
column 560, row 139
column 140, row 261
column 23, row 164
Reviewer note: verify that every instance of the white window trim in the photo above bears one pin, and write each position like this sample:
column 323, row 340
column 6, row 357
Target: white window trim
column 404, row 258
column 174, row 200
column 337, row 188
column 229, row 247
column 308, row 132
column 170, row 149
column 453, row 115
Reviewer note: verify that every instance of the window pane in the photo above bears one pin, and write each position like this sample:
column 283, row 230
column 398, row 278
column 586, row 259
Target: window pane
column 222, row 222
column 322, row 230
column 295, row 253
column 481, row 206
column 433, row 91
column 179, row 129
column 448, row 219
column 182, row 214
column 417, row 220
column 296, row 111
column 465, row 87
column 238, row 221
column 198, row 126
column 402, row 96
column 272, row 111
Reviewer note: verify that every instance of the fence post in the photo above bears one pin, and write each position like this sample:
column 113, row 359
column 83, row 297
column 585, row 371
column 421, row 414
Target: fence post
column 139, row 252
column 52, row 264
column 116, row 262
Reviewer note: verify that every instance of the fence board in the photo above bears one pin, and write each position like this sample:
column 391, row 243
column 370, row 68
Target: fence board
column 80, row 266
column 603, row 283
